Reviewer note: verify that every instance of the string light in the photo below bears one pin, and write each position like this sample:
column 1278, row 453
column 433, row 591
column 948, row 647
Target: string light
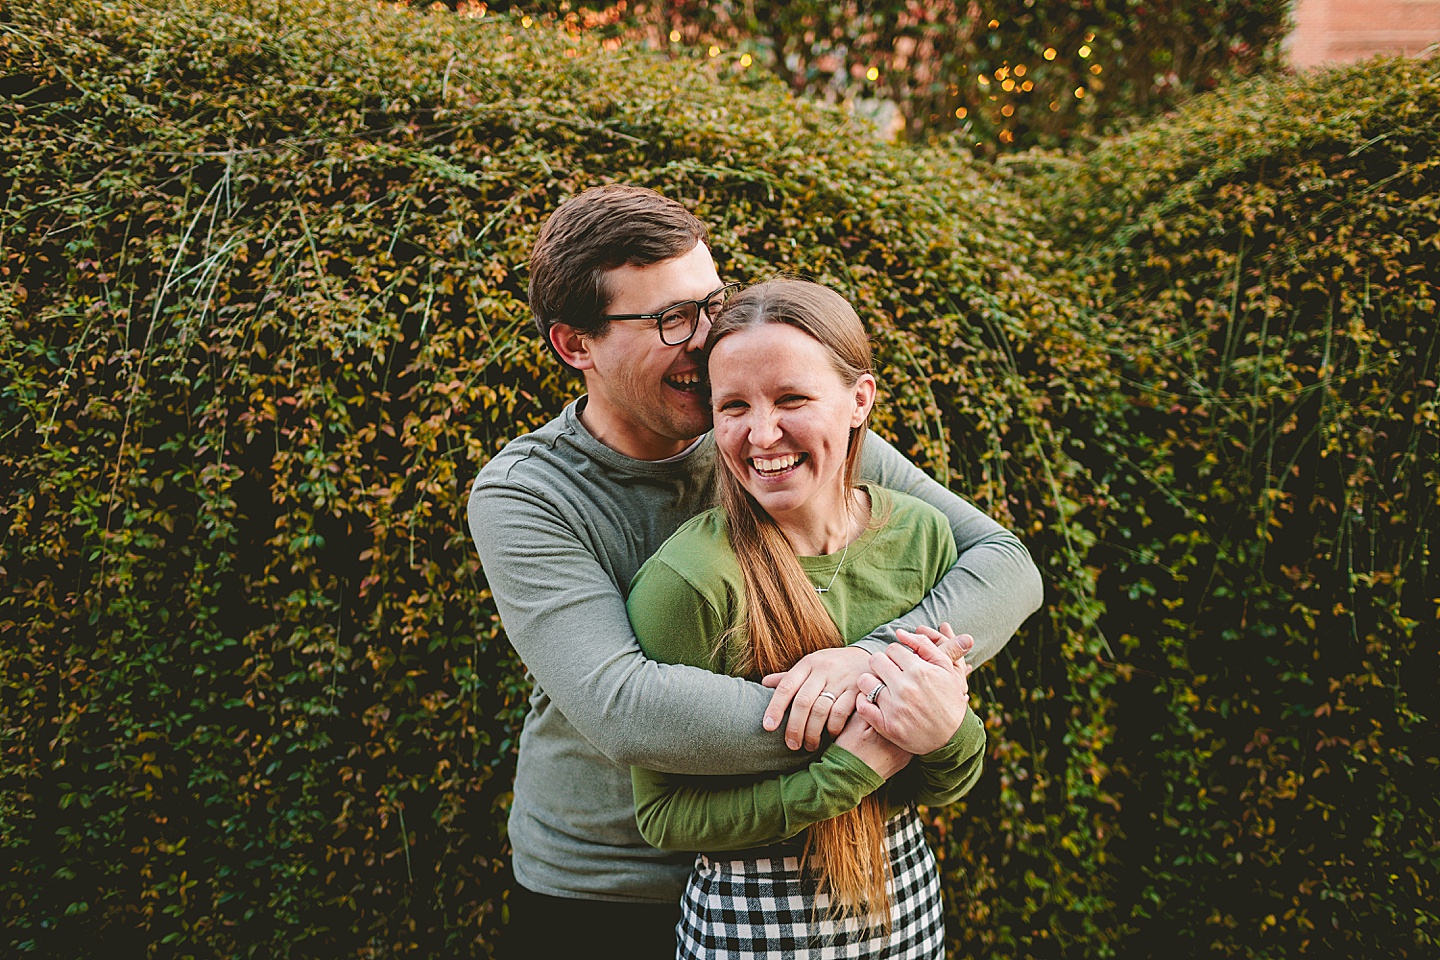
column 1049, row 53
column 1084, row 51
column 872, row 74
column 674, row 36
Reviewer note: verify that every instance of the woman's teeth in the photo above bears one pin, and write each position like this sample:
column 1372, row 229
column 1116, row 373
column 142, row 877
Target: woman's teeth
column 777, row 465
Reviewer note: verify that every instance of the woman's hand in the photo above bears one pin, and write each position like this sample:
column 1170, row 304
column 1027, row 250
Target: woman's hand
column 831, row 672
column 875, row 751
column 922, row 693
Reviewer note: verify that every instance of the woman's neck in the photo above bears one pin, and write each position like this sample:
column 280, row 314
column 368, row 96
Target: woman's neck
column 832, row 532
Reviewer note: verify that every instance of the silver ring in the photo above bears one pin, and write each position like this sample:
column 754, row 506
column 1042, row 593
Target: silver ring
column 876, row 692
column 826, row 693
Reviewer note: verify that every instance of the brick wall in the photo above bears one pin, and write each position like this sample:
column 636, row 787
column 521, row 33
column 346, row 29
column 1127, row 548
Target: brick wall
column 1337, row 31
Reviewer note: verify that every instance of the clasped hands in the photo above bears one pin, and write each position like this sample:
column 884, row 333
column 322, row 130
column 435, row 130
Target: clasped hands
column 923, row 695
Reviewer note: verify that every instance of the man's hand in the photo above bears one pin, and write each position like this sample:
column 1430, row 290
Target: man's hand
column 957, row 648
column 875, row 751
column 923, row 692
column 832, row 672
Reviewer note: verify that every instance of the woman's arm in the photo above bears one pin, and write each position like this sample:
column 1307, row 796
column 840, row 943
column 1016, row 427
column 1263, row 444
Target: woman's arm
column 949, row 773
column 698, row 813
column 675, row 622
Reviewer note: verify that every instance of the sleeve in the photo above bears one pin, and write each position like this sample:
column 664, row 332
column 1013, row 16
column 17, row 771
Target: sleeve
column 566, row 619
column 993, row 586
column 675, row 623
column 694, row 813
column 950, row 772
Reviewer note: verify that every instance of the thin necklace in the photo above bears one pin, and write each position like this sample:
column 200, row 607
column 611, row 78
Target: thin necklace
column 843, row 555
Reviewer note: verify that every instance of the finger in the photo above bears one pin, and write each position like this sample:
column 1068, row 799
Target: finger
column 884, row 669
column 958, row 648
column 771, row 679
column 819, row 720
column 949, row 632
column 840, row 712
column 871, row 714
column 906, row 658
column 931, row 632
column 921, row 646
column 802, row 710
column 785, row 691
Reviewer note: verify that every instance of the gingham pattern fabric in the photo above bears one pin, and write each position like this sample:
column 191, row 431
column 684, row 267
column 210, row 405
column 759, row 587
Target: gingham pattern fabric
column 766, row 908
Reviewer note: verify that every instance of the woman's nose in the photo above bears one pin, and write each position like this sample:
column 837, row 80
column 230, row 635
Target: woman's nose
column 765, row 429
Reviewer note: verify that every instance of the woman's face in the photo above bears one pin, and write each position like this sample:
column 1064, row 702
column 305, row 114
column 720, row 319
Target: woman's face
column 783, row 418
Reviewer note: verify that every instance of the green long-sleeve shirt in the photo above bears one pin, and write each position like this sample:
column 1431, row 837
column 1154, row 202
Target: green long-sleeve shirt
column 690, row 593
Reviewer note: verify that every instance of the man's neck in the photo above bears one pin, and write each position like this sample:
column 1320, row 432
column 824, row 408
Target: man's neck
column 652, row 449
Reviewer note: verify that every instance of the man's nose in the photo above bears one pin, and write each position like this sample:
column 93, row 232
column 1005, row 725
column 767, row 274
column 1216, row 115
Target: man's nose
column 702, row 332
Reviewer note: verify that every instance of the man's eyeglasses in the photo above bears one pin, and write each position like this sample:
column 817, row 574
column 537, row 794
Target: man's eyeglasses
column 677, row 323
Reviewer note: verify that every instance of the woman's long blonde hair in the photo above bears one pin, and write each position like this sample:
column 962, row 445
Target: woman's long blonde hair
column 784, row 618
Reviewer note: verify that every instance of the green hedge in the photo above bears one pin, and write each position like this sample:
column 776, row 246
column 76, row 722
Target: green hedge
column 262, row 320
column 1269, row 261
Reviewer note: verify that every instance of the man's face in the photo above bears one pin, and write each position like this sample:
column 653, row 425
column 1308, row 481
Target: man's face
column 647, row 399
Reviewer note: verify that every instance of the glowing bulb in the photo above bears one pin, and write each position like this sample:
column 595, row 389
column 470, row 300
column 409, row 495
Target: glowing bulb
column 1049, row 53
column 714, row 51
column 674, row 36
column 1079, row 93
column 960, row 113
column 872, row 74
column 1084, row 51
column 746, row 60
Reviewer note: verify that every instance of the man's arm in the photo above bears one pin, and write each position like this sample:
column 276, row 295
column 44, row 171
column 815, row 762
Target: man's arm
column 993, row 586
column 566, row 619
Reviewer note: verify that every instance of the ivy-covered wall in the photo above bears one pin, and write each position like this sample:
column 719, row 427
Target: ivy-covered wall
column 261, row 320
column 1269, row 261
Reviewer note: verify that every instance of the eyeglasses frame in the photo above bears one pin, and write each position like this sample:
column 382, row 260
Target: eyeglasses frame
column 657, row 317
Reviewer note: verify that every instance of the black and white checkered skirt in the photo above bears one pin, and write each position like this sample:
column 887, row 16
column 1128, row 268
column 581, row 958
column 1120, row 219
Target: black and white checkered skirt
column 768, row 908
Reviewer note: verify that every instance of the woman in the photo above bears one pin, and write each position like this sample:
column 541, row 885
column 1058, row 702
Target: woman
column 799, row 558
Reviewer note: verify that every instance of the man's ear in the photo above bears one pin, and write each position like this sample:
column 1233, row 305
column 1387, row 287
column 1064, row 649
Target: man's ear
column 572, row 346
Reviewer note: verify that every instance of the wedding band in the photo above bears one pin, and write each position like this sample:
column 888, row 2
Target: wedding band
column 826, row 693
column 876, row 692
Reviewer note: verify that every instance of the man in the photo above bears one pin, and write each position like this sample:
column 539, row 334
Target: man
column 623, row 287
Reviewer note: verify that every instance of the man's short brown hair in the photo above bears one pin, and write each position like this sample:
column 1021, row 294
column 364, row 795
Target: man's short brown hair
column 592, row 233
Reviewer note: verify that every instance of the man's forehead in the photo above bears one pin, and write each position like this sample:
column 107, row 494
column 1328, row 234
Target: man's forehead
column 652, row 287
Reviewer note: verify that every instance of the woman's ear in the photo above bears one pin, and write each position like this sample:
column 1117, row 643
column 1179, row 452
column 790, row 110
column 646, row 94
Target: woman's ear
column 864, row 399
column 572, row 346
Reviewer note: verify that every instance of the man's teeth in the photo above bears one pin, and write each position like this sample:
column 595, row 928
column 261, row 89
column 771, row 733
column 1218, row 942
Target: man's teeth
column 776, row 465
column 691, row 379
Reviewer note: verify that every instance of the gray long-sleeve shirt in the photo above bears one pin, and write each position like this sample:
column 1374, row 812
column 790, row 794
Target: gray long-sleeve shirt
column 562, row 523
